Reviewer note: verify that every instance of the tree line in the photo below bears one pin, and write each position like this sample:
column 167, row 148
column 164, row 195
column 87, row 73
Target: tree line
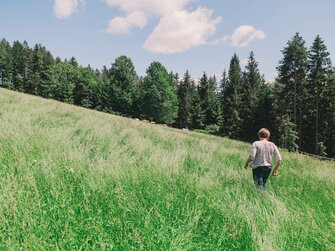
column 298, row 107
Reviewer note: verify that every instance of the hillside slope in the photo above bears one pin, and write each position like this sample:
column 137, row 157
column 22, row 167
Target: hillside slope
column 72, row 178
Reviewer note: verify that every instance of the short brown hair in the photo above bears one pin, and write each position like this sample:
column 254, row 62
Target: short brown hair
column 264, row 133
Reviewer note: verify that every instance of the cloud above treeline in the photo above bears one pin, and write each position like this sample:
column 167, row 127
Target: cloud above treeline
column 244, row 35
column 182, row 30
column 178, row 28
column 65, row 8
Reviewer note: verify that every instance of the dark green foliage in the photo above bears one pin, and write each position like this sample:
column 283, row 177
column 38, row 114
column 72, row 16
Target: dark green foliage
column 21, row 64
column 320, row 94
column 253, row 88
column 6, row 65
column 61, row 78
column 197, row 114
column 86, row 90
column 232, row 100
column 266, row 112
column 40, row 63
column 124, row 86
column 209, row 99
column 159, row 100
column 288, row 134
column 190, row 114
column 292, row 76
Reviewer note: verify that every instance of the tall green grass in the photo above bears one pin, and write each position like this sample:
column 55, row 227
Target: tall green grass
column 75, row 179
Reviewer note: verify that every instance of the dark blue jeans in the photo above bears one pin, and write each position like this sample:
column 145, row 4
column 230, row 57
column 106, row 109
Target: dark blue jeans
column 261, row 174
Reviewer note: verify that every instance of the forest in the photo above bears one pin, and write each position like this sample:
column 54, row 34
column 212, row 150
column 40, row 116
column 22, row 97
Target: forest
column 298, row 107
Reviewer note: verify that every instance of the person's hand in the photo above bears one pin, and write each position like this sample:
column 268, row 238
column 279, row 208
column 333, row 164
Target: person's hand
column 275, row 173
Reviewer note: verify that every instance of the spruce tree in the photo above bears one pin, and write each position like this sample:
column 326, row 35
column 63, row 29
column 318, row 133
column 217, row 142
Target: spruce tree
column 197, row 114
column 288, row 134
column 292, row 75
column 184, row 93
column 6, row 65
column 221, row 96
column 319, row 89
column 210, row 102
column 232, row 100
column 159, row 100
column 330, row 142
column 61, row 78
column 41, row 61
column 19, row 66
column 125, row 86
column 252, row 89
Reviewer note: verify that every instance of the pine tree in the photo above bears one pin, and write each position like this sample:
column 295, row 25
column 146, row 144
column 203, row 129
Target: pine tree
column 288, row 134
column 41, row 61
column 266, row 114
column 184, row 93
column 232, row 100
column 209, row 99
column 125, row 86
column 197, row 114
column 221, row 96
column 159, row 100
column 19, row 66
column 6, row 65
column 85, row 92
column 330, row 142
column 319, row 87
column 61, row 78
column 292, row 75
column 253, row 86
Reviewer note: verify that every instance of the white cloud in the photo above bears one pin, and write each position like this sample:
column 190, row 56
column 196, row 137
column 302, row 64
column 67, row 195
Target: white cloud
column 182, row 30
column 178, row 29
column 123, row 25
column 244, row 35
column 65, row 8
column 153, row 7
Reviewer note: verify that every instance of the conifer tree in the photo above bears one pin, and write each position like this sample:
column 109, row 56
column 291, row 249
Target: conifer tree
column 330, row 142
column 288, row 134
column 197, row 114
column 209, row 99
column 41, row 61
column 252, row 88
column 319, row 95
column 159, row 100
column 6, row 65
column 292, row 75
column 125, row 86
column 184, row 93
column 223, row 84
column 61, row 78
column 21, row 61
column 232, row 100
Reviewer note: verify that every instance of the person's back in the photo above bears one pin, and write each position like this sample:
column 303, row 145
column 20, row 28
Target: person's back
column 262, row 153
column 260, row 158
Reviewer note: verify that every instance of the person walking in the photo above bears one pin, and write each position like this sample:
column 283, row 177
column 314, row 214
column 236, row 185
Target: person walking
column 260, row 158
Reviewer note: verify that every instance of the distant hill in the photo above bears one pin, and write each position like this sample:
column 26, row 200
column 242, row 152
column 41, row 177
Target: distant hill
column 72, row 178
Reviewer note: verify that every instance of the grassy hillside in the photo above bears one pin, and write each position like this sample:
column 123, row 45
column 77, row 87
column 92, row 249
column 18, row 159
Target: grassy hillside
column 74, row 179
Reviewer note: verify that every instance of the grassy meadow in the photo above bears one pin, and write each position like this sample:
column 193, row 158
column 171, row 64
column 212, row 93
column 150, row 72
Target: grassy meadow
column 75, row 179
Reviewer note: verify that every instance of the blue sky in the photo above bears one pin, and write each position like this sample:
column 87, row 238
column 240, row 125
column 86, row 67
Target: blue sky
column 194, row 35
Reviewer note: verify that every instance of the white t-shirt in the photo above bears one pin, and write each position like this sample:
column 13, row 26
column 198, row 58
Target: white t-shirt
column 262, row 152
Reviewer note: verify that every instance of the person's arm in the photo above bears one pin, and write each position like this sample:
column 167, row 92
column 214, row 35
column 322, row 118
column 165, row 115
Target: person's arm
column 275, row 170
column 251, row 156
column 247, row 163
column 278, row 158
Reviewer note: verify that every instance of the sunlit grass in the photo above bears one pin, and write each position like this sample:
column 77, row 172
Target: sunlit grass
column 74, row 179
